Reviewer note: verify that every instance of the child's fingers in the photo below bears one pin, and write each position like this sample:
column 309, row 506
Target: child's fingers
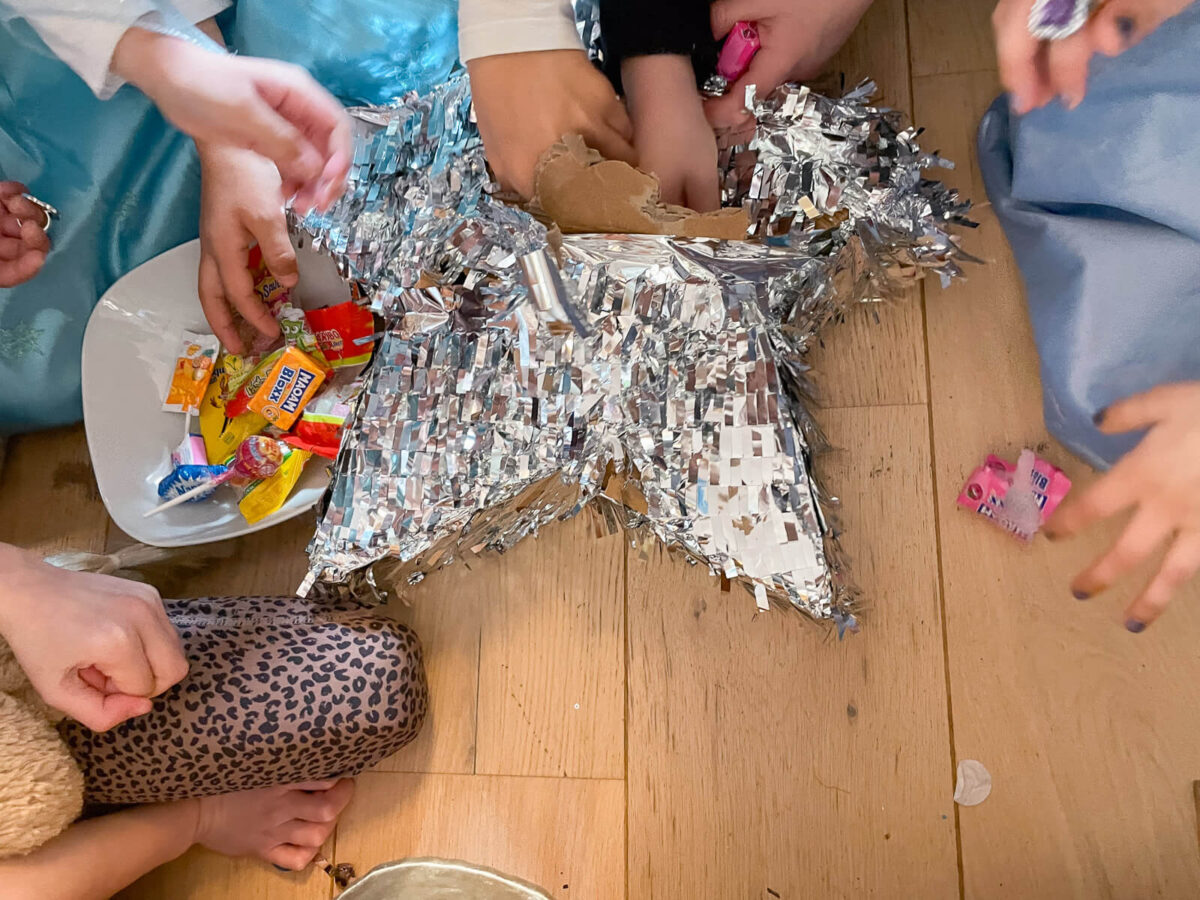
column 767, row 71
column 229, row 250
column 1113, row 30
column 724, row 14
column 1145, row 409
column 290, row 856
column 19, row 270
column 26, row 210
column 11, row 188
column 703, row 190
column 1140, row 538
column 1116, row 491
column 1179, row 565
column 34, row 236
column 611, row 144
column 1067, row 67
column 305, row 834
column 279, row 255
column 1017, row 54
column 215, row 305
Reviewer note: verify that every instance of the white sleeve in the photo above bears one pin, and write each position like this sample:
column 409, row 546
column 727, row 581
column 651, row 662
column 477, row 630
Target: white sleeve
column 493, row 27
column 85, row 34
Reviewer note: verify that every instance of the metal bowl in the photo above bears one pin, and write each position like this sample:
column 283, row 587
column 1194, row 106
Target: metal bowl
column 439, row 879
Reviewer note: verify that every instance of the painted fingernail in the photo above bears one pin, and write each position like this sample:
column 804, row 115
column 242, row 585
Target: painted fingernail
column 1127, row 26
column 1080, row 595
column 1098, row 418
column 1134, row 626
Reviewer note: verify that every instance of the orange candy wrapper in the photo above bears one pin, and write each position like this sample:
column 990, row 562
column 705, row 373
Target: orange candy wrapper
column 292, row 382
column 192, row 372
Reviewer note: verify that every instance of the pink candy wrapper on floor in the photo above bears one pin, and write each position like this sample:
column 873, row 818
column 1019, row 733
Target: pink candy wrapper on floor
column 988, row 485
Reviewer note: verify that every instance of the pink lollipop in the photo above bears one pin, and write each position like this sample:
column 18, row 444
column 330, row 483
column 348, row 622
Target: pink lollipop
column 257, row 457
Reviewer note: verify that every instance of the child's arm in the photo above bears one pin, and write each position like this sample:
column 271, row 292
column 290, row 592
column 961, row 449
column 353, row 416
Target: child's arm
column 672, row 136
column 271, row 107
column 658, row 53
column 532, row 83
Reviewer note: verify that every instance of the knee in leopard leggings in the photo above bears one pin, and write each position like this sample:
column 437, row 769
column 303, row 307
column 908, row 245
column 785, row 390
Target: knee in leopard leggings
column 280, row 690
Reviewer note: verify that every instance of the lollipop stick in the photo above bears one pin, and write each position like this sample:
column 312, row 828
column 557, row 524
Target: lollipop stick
column 185, row 496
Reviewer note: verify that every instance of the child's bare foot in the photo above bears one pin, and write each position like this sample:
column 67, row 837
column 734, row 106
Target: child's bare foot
column 283, row 825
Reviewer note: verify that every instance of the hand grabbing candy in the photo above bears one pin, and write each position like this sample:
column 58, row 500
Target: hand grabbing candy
column 673, row 139
column 1160, row 478
column 1034, row 71
column 798, row 38
column 241, row 204
column 272, row 108
column 24, row 242
column 527, row 101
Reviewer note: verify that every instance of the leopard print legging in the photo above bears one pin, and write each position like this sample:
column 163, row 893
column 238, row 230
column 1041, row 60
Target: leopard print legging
column 280, row 690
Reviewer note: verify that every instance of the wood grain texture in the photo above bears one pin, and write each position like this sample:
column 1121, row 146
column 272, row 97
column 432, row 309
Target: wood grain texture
column 552, row 658
column 951, row 36
column 766, row 756
column 565, row 835
column 876, row 357
column 1090, row 733
column 48, row 495
column 202, row 875
column 445, row 610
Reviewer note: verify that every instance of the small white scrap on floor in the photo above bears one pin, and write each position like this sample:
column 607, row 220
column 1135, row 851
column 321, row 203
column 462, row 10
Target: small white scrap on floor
column 974, row 783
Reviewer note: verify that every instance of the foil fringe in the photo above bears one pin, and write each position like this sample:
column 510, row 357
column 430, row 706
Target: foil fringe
column 499, row 400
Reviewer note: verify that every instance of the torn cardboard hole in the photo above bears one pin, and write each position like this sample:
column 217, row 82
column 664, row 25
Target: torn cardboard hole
column 584, row 193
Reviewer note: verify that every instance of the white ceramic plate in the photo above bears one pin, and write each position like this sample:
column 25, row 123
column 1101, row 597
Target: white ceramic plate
column 128, row 351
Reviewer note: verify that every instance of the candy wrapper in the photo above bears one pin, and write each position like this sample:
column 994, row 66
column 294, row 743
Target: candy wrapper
column 290, row 384
column 192, row 372
column 1033, row 481
column 344, row 333
column 264, row 496
column 679, row 362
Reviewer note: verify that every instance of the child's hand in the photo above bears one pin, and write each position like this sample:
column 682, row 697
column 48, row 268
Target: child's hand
column 798, row 38
column 1035, row 72
column 672, row 136
column 285, row 825
column 23, row 241
column 94, row 647
column 1160, row 478
column 525, row 102
column 273, row 108
column 241, row 204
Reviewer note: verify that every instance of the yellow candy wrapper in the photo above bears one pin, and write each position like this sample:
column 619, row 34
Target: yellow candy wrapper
column 263, row 497
column 223, row 435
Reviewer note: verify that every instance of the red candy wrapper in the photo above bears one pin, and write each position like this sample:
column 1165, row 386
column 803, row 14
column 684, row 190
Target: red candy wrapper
column 1033, row 488
column 343, row 332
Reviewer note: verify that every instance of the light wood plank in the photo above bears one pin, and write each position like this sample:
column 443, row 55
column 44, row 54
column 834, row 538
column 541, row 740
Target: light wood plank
column 876, row 356
column 552, row 666
column 764, row 755
column 1090, row 733
column 48, row 494
column 203, row 875
column 951, row 36
column 445, row 610
column 566, row 835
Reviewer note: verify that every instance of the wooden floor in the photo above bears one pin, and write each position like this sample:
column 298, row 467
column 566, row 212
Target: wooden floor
column 607, row 723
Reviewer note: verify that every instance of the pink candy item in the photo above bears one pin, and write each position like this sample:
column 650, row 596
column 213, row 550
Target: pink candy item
column 737, row 51
column 988, row 485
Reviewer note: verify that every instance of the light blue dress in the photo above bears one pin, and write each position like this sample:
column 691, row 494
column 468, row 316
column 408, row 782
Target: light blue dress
column 127, row 184
column 1102, row 207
